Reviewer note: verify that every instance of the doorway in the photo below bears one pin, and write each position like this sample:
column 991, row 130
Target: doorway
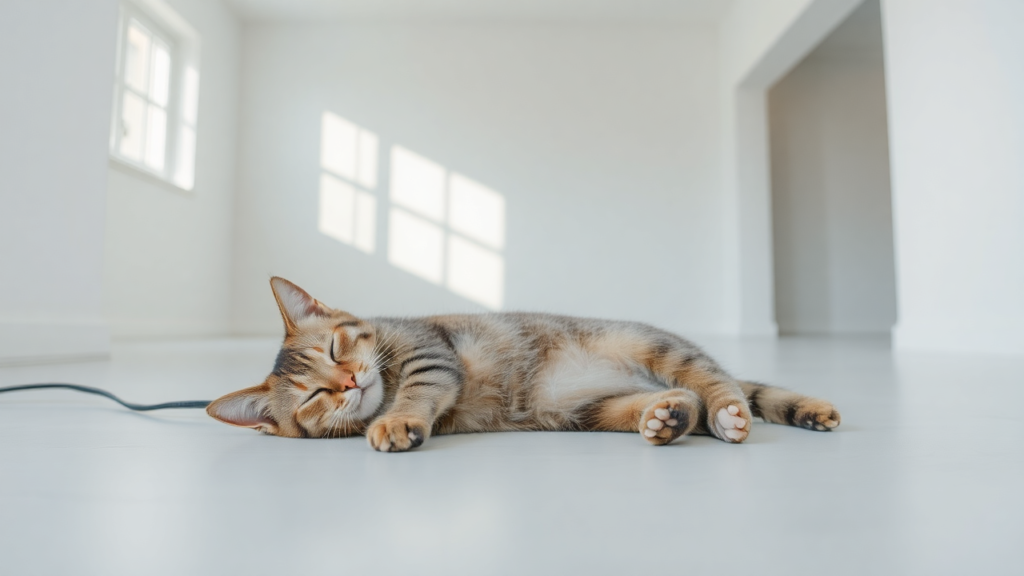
column 831, row 201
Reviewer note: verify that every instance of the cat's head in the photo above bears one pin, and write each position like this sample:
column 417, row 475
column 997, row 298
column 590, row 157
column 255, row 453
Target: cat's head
column 325, row 381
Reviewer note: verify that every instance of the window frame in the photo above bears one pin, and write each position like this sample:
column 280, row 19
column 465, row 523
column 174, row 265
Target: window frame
column 181, row 41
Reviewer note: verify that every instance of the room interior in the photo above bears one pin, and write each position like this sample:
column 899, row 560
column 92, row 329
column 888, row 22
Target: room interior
column 824, row 194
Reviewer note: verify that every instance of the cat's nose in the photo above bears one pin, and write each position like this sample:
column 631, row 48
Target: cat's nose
column 348, row 380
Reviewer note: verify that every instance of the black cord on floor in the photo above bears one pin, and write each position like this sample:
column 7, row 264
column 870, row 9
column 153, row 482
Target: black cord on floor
column 97, row 391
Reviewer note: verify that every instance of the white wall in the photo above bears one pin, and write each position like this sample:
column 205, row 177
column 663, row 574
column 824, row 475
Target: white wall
column 602, row 139
column 830, row 186
column 956, row 123
column 168, row 252
column 760, row 42
column 750, row 30
column 57, row 69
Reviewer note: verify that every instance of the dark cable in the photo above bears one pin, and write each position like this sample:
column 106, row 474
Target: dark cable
column 129, row 405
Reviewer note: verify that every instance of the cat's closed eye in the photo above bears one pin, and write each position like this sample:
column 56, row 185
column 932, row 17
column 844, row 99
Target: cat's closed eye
column 315, row 394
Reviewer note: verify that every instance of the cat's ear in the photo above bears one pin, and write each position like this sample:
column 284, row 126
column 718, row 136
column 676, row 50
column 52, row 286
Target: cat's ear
column 247, row 407
column 295, row 304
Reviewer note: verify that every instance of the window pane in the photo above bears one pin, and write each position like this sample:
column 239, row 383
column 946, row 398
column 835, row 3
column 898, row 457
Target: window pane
column 133, row 111
column 186, row 165
column 136, row 60
column 156, row 137
column 161, row 81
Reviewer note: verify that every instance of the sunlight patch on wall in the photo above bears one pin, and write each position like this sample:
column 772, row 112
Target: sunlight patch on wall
column 475, row 272
column 476, row 211
column 417, row 183
column 446, row 228
column 416, row 245
column 348, row 201
column 347, row 214
column 442, row 226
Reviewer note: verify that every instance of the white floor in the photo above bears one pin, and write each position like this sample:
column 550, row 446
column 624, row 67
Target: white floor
column 925, row 476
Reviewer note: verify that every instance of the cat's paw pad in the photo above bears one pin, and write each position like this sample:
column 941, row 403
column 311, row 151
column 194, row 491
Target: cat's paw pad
column 733, row 423
column 814, row 414
column 664, row 421
column 396, row 433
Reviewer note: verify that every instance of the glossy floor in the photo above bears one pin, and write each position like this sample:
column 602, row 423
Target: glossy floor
column 925, row 476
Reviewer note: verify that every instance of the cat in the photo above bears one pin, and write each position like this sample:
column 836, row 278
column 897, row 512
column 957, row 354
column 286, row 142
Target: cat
column 401, row 380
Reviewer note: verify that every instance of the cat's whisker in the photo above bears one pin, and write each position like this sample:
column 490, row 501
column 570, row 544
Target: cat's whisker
column 340, row 418
column 333, row 424
column 387, row 340
column 377, row 345
column 343, row 425
column 382, row 357
column 385, row 358
column 390, row 340
column 327, row 426
column 383, row 363
column 374, row 362
column 377, row 356
column 387, row 355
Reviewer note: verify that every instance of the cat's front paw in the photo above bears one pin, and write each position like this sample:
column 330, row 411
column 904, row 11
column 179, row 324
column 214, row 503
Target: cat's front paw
column 396, row 433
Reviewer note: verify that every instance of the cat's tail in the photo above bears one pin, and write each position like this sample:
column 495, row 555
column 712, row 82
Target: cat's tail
column 781, row 406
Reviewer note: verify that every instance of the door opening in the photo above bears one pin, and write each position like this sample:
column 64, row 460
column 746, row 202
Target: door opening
column 831, row 202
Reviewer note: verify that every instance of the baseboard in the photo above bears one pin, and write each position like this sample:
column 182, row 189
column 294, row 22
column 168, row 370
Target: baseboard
column 43, row 342
column 165, row 328
column 769, row 330
column 759, row 330
column 957, row 340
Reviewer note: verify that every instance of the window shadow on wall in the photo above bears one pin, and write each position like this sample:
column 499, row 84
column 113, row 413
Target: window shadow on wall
column 439, row 225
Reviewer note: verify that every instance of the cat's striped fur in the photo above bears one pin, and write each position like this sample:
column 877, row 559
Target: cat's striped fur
column 399, row 380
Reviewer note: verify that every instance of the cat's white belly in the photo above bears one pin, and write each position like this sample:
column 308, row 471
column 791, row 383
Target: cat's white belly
column 575, row 377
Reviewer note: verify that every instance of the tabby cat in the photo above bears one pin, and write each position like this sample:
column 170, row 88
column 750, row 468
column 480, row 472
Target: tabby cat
column 400, row 380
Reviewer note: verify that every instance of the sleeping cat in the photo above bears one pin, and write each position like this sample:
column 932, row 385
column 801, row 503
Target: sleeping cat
column 400, row 380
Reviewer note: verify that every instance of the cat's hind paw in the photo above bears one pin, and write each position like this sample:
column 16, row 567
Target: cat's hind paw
column 813, row 414
column 665, row 420
column 733, row 423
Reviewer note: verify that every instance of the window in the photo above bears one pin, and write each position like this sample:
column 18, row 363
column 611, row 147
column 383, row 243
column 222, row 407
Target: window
column 156, row 93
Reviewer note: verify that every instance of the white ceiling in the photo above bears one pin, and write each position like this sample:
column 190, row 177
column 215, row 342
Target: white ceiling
column 675, row 11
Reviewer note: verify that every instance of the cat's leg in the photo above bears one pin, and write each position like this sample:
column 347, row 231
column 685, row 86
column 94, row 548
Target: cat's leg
column 660, row 417
column 725, row 413
column 407, row 424
column 429, row 385
column 781, row 406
